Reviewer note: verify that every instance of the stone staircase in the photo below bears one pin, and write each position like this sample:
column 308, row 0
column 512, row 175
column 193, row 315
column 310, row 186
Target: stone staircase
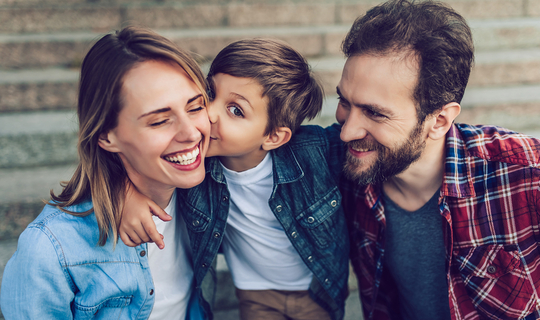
column 42, row 43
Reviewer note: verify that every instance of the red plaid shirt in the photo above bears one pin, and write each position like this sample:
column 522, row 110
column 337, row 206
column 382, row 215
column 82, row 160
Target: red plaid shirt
column 490, row 199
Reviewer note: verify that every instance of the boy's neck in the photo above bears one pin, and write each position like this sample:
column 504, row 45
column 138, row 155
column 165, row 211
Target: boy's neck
column 243, row 163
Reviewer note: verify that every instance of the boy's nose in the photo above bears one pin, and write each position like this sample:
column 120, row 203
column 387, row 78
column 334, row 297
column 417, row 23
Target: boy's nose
column 212, row 113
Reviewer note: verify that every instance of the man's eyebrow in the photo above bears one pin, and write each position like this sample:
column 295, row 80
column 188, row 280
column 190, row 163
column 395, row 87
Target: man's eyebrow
column 373, row 107
column 167, row 109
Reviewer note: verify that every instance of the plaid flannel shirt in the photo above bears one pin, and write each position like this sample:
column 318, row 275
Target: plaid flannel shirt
column 490, row 199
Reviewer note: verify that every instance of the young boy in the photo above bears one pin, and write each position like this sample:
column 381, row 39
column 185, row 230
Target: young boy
column 271, row 191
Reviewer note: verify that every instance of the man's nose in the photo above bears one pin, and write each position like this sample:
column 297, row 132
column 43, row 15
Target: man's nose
column 354, row 126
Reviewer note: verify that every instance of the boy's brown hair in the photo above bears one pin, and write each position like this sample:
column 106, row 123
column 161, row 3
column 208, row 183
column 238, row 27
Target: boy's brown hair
column 287, row 80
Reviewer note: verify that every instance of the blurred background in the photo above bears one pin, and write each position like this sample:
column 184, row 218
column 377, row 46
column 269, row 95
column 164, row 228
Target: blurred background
column 42, row 43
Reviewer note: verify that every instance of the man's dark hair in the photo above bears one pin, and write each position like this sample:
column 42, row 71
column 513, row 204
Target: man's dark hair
column 285, row 76
column 437, row 36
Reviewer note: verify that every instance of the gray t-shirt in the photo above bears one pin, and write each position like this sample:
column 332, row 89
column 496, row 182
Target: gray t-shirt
column 415, row 257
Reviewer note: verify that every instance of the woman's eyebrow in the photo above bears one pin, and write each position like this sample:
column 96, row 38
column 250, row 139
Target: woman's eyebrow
column 154, row 112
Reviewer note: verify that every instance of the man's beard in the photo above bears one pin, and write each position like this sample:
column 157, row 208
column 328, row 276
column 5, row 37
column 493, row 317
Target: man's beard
column 390, row 161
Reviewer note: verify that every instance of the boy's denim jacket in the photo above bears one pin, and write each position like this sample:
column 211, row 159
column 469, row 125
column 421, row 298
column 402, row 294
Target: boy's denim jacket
column 306, row 201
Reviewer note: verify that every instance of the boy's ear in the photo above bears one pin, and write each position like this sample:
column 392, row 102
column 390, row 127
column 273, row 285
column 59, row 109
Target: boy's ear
column 107, row 142
column 443, row 120
column 281, row 136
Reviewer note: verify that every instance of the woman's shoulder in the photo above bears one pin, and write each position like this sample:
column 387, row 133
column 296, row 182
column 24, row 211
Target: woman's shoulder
column 52, row 216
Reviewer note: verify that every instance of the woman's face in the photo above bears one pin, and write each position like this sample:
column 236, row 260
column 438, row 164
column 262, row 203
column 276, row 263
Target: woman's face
column 163, row 129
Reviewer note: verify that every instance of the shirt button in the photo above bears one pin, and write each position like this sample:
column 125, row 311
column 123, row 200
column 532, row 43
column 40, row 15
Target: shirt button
column 492, row 269
column 217, row 235
column 151, row 291
column 327, row 281
column 279, row 208
column 333, row 203
column 195, row 223
column 225, row 198
column 294, row 234
column 204, row 265
column 310, row 258
column 310, row 219
column 143, row 253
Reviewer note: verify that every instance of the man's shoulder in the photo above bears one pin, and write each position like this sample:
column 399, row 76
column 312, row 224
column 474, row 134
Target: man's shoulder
column 493, row 143
column 315, row 135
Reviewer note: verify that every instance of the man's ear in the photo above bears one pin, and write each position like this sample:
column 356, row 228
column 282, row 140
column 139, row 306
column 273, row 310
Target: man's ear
column 281, row 136
column 443, row 120
column 107, row 142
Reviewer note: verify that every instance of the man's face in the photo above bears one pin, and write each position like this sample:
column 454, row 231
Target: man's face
column 378, row 113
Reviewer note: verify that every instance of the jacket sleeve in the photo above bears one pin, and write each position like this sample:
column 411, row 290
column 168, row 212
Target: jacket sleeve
column 35, row 285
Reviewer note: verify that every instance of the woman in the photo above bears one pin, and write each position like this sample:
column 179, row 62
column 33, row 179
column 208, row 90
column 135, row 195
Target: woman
column 142, row 117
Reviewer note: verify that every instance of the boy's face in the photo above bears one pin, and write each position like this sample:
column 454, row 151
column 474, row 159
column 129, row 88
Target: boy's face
column 238, row 116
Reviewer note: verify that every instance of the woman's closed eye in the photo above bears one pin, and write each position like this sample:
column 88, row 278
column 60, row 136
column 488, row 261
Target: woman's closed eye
column 158, row 123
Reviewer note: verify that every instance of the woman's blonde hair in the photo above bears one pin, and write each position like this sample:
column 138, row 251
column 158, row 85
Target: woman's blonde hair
column 100, row 175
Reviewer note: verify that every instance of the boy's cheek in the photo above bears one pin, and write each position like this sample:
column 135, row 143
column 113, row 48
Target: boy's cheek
column 212, row 149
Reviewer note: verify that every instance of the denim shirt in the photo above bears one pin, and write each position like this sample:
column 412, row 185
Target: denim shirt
column 305, row 200
column 59, row 272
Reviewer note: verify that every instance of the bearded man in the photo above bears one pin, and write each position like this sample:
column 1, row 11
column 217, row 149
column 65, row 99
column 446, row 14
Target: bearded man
column 443, row 217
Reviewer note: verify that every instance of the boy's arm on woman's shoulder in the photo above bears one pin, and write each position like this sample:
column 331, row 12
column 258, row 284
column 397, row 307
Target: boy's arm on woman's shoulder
column 137, row 225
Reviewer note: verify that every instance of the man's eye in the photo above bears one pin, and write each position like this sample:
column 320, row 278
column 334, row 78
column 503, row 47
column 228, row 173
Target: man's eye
column 236, row 111
column 374, row 114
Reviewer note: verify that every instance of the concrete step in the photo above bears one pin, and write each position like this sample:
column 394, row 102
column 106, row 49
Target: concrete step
column 105, row 15
column 37, row 139
column 68, row 49
column 35, row 50
column 56, row 88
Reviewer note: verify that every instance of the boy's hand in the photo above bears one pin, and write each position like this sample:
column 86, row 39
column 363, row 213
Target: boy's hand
column 137, row 225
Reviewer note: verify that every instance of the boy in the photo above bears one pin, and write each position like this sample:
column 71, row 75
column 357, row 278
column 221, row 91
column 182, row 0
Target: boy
column 273, row 185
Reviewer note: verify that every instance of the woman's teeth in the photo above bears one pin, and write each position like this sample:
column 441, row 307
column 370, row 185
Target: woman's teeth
column 184, row 159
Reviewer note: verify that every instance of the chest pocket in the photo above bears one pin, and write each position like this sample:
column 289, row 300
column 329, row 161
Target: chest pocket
column 322, row 219
column 111, row 308
column 496, row 281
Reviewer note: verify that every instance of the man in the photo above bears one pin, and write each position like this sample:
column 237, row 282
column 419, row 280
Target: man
column 443, row 217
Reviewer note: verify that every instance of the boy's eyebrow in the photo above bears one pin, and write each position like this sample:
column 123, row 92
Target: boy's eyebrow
column 373, row 107
column 237, row 96
column 167, row 109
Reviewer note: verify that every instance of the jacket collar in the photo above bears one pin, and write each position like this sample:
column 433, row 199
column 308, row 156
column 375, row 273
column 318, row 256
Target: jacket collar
column 285, row 166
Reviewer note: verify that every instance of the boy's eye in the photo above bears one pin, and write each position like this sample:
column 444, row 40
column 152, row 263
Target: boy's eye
column 236, row 111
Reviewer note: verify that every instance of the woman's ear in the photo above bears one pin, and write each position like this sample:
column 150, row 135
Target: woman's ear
column 443, row 120
column 107, row 142
column 281, row 136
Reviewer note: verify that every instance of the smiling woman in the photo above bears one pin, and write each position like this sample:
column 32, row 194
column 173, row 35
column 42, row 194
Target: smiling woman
column 142, row 118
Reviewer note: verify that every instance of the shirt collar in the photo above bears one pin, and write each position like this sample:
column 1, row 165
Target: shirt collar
column 457, row 182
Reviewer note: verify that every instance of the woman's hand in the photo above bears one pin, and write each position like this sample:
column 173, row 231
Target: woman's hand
column 137, row 226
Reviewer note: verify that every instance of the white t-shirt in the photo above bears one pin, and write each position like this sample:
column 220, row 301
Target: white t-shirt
column 171, row 267
column 257, row 250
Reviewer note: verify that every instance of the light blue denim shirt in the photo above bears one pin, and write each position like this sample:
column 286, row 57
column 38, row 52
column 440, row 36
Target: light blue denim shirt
column 59, row 272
